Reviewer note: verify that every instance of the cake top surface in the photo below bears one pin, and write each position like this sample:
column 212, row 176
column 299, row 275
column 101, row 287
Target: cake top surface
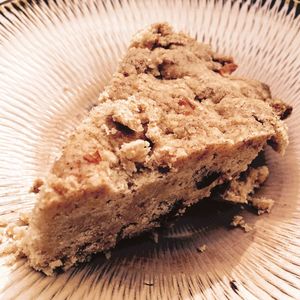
column 172, row 97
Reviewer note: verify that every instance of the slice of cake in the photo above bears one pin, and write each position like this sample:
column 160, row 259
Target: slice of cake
column 172, row 125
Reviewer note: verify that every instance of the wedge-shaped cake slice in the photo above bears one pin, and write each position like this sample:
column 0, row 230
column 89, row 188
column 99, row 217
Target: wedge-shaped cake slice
column 172, row 125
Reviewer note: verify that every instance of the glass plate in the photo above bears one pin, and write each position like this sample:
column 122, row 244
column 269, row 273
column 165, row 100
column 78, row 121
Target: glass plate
column 55, row 58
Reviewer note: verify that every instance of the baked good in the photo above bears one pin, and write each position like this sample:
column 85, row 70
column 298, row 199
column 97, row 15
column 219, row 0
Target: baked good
column 172, row 125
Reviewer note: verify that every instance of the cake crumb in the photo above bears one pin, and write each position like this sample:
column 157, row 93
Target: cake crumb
column 262, row 204
column 107, row 255
column 201, row 249
column 155, row 237
column 11, row 238
column 247, row 227
column 238, row 221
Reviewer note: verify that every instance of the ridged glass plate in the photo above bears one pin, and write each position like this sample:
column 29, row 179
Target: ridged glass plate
column 55, row 58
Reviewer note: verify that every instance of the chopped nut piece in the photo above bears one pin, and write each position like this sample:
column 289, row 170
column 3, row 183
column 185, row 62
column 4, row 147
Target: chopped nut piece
column 188, row 106
column 282, row 109
column 227, row 69
column 187, row 103
column 94, row 158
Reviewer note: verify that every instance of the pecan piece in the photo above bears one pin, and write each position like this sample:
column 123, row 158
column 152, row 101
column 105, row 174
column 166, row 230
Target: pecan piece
column 94, row 158
column 228, row 69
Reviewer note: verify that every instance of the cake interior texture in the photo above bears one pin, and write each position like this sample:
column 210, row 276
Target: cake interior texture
column 173, row 124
